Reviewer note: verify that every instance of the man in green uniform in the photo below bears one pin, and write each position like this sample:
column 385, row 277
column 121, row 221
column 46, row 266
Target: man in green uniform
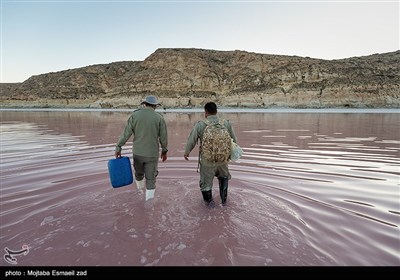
column 149, row 131
column 209, row 170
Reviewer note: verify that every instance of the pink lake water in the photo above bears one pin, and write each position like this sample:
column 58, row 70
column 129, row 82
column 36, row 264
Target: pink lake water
column 311, row 189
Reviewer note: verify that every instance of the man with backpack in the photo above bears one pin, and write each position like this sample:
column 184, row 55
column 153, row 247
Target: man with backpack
column 215, row 137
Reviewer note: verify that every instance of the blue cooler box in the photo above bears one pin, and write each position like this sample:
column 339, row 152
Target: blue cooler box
column 120, row 171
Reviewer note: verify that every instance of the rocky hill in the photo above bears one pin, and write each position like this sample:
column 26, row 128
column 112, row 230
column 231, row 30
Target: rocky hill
column 190, row 77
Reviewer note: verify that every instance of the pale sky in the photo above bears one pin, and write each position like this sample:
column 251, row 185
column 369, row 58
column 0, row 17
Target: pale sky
column 39, row 37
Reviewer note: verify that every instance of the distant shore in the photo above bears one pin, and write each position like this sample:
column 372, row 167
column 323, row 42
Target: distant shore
column 222, row 110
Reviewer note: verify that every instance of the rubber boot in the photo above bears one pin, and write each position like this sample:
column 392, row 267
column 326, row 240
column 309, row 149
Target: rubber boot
column 150, row 194
column 223, row 188
column 140, row 184
column 207, row 196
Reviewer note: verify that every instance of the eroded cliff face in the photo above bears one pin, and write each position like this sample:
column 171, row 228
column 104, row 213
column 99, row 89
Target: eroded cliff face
column 191, row 77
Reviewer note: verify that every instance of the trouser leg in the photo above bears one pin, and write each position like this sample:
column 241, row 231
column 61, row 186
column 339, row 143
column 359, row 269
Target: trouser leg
column 146, row 167
column 138, row 166
column 206, row 182
column 206, row 178
column 151, row 172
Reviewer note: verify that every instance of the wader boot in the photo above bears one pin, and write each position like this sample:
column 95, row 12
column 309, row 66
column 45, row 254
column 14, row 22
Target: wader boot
column 207, row 196
column 150, row 194
column 140, row 185
column 223, row 188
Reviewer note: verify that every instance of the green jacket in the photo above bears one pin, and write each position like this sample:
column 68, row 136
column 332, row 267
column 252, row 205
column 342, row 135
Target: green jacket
column 149, row 129
column 197, row 134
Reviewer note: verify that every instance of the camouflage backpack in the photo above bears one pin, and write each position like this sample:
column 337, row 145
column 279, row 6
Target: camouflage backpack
column 216, row 142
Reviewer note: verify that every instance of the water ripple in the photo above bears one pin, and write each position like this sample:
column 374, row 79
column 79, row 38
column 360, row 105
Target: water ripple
column 315, row 198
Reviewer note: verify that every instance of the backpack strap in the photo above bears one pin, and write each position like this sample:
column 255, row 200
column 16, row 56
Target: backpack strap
column 207, row 122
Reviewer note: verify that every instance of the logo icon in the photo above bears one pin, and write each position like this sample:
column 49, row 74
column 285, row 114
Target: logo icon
column 10, row 254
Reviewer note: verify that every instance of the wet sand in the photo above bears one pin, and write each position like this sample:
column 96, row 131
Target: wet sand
column 311, row 189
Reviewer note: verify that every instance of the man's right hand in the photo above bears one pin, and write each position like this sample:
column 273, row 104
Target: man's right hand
column 117, row 154
column 164, row 156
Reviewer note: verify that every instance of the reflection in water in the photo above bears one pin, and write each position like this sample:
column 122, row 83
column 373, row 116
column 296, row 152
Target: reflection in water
column 310, row 189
